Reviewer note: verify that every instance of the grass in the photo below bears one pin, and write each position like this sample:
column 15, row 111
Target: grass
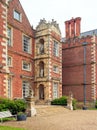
column 10, row 128
column 92, row 108
column 8, row 119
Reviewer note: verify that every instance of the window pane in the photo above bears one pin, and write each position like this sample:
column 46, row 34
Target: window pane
column 9, row 61
column 26, row 66
column 55, row 90
column 56, row 48
column 9, row 87
column 9, row 36
column 17, row 15
column 26, row 44
column 55, row 69
column 26, row 91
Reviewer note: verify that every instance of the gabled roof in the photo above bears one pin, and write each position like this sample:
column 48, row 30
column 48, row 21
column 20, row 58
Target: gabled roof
column 24, row 24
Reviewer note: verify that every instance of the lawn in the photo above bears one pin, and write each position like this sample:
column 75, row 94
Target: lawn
column 10, row 128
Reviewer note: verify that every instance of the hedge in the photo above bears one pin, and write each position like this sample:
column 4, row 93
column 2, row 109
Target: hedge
column 63, row 101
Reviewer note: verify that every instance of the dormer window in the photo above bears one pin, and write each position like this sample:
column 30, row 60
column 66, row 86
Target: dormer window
column 17, row 15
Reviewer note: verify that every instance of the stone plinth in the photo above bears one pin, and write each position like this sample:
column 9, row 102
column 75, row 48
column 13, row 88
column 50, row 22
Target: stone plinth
column 31, row 111
column 69, row 103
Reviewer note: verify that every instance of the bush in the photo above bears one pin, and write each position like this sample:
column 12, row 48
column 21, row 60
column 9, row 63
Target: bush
column 74, row 103
column 96, row 104
column 63, row 101
column 60, row 101
column 21, row 105
column 14, row 106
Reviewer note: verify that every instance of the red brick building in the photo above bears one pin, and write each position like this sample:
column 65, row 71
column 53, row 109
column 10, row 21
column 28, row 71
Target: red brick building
column 18, row 44
column 79, row 62
column 17, row 51
column 36, row 59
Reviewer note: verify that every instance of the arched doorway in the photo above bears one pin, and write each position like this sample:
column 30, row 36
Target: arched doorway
column 41, row 92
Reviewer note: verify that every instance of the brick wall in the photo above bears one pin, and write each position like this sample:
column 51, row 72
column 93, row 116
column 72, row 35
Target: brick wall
column 73, row 65
column 20, row 28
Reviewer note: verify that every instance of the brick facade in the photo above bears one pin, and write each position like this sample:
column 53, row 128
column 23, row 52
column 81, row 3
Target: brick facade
column 18, row 29
column 38, row 60
column 79, row 63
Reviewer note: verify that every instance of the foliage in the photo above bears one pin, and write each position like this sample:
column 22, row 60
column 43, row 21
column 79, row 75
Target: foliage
column 14, row 106
column 63, row 101
column 74, row 103
column 60, row 101
column 21, row 113
column 96, row 104
column 10, row 128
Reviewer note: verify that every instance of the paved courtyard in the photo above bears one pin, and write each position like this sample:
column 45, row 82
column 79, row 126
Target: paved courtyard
column 58, row 118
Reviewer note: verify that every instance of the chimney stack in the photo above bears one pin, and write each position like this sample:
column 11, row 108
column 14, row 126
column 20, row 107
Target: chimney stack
column 67, row 29
column 72, row 28
column 77, row 22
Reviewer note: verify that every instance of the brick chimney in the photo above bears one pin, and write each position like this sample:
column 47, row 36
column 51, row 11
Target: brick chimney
column 72, row 28
column 67, row 29
column 77, row 23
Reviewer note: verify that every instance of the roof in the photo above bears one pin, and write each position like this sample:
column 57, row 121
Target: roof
column 89, row 33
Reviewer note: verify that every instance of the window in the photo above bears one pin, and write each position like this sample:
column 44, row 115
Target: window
column 56, row 49
column 17, row 15
column 26, row 44
column 55, row 90
column 26, row 66
column 26, row 88
column 9, row 36
column 55, row 69
column 9, row 87
column 9, row 61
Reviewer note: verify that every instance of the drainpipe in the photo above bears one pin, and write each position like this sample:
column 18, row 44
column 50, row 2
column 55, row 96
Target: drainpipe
column 84, row 84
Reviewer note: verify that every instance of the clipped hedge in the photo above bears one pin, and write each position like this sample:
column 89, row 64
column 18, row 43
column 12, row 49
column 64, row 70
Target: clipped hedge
column 14, row 106
column 63, row 101
column 60, row 101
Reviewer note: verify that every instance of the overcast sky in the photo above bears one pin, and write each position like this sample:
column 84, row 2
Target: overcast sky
column 62, row 10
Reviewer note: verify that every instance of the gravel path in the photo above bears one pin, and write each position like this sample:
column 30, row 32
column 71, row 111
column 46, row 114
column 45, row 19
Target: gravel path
column 65, row 120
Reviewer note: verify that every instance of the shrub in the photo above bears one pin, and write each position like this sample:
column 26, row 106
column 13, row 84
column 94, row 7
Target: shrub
column 21, row 105
column 96, row 104
column 63, row 101
column 60, row 101
column 14, row 106
column 74, row 103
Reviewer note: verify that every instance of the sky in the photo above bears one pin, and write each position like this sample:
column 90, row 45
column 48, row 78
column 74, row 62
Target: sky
column 61, row 11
